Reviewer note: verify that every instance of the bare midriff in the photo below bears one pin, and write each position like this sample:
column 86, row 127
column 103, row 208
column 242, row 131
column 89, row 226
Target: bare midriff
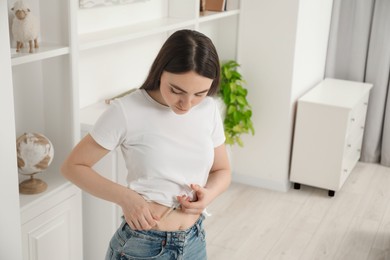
column 172, row 220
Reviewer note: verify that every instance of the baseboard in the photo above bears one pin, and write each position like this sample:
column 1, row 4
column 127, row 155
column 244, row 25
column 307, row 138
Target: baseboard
column 282, row 186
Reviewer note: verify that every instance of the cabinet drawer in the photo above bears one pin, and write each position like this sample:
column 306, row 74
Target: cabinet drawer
column 353, row 147
column 358, row 113
column 351, row 157
column 355, row 136
column 357, row 119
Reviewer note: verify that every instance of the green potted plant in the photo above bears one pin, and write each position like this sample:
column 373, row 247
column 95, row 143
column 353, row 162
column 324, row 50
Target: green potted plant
column 238, row 113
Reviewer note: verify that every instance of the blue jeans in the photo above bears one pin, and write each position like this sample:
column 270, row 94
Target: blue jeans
column 129, row 244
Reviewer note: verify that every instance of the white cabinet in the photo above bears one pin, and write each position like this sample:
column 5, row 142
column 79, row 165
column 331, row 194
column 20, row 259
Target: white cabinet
column 328, row 133
column 51, row 226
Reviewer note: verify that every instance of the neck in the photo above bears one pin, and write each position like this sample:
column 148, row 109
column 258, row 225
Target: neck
column 156, row 95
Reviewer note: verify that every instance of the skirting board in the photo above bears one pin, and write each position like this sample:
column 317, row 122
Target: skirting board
column 262, row 183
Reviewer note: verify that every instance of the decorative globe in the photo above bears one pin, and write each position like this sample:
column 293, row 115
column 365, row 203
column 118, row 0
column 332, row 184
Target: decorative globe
column 34, row 153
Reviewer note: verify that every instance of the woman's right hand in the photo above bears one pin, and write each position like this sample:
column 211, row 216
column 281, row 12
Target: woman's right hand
column 136, row 211
column 78, row 169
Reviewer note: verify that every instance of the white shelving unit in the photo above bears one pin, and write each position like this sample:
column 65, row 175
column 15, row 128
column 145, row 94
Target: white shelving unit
column 43, row 86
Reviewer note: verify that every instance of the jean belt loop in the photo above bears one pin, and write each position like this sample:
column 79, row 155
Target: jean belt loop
column 198, row 229
column 168, row 237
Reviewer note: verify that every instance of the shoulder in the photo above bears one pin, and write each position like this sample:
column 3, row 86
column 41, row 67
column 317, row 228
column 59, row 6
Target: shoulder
column 213, row 105
column 134, row 98
column 209, row 102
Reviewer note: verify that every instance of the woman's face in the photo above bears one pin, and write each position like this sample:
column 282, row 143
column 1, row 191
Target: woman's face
column 181, row 92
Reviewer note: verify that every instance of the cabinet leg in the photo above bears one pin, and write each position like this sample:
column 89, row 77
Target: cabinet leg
column 331, row 193
column 297, row 186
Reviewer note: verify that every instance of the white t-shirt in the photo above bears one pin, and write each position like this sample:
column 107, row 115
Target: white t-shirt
column 164, row 152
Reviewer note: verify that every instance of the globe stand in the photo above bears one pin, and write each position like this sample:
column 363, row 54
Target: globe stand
column 32, row 186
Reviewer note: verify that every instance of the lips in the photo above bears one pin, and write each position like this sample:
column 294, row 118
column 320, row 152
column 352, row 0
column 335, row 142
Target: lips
column 182, row 110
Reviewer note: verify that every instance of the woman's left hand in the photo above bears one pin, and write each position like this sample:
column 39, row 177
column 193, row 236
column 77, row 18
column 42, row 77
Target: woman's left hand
column 197, row 206
column 217, row 182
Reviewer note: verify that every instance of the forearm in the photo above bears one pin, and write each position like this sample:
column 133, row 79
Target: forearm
column 218, row 182
column 90, row 181
column 220, row 175
column 78, row 169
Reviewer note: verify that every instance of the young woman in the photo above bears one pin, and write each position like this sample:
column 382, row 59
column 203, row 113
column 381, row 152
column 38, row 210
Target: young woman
column 171, row 135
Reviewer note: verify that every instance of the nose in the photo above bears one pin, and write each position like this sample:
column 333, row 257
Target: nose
column 185, row 102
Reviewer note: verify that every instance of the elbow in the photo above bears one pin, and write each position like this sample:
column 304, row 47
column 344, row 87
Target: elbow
column 65, row 170
column 229, row 180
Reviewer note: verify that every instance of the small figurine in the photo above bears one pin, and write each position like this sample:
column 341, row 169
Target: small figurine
column 25, row 26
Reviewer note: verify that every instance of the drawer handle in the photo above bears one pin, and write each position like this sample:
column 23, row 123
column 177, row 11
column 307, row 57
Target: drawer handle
column 353, row 119
column 345, row 170
column 362, row 127
column 349, row 145
column 366, row 103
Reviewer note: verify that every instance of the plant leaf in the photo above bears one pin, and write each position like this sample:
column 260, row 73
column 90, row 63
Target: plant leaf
column 238, row 115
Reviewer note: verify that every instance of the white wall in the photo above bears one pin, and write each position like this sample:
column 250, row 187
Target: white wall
column 107, row 71
column 10, row 235
column 108, row 17
column 283, row 48
column 311, row 45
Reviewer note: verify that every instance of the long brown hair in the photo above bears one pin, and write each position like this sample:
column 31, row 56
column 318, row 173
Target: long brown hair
column 184, row 51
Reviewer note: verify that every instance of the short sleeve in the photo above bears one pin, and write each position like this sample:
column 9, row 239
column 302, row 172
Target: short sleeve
column 109, row 130
column 218, row 134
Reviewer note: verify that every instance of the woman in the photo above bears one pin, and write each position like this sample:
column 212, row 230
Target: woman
column 171, row 135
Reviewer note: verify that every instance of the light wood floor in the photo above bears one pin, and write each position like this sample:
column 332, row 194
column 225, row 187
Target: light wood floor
column 253, row 223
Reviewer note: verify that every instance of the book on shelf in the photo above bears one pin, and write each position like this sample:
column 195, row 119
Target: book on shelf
column 215, row 5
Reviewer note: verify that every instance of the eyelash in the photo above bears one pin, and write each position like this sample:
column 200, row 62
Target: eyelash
column 180, row 93
column 174, row 92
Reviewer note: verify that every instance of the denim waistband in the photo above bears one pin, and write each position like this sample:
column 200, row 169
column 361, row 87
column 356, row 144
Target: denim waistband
column 179, row 236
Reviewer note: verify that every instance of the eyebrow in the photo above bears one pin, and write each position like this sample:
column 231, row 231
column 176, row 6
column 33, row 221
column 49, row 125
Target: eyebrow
column 182, row 90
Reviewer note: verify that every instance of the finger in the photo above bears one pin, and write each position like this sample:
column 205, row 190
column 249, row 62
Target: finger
column 131, row 221
column 151, row 219
column 187, row 205
column 131, row 225
column 199, row 191
column 195, row 187
column 193, row 211
column 144, row 225
column 184, row 202
column 135, row 224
